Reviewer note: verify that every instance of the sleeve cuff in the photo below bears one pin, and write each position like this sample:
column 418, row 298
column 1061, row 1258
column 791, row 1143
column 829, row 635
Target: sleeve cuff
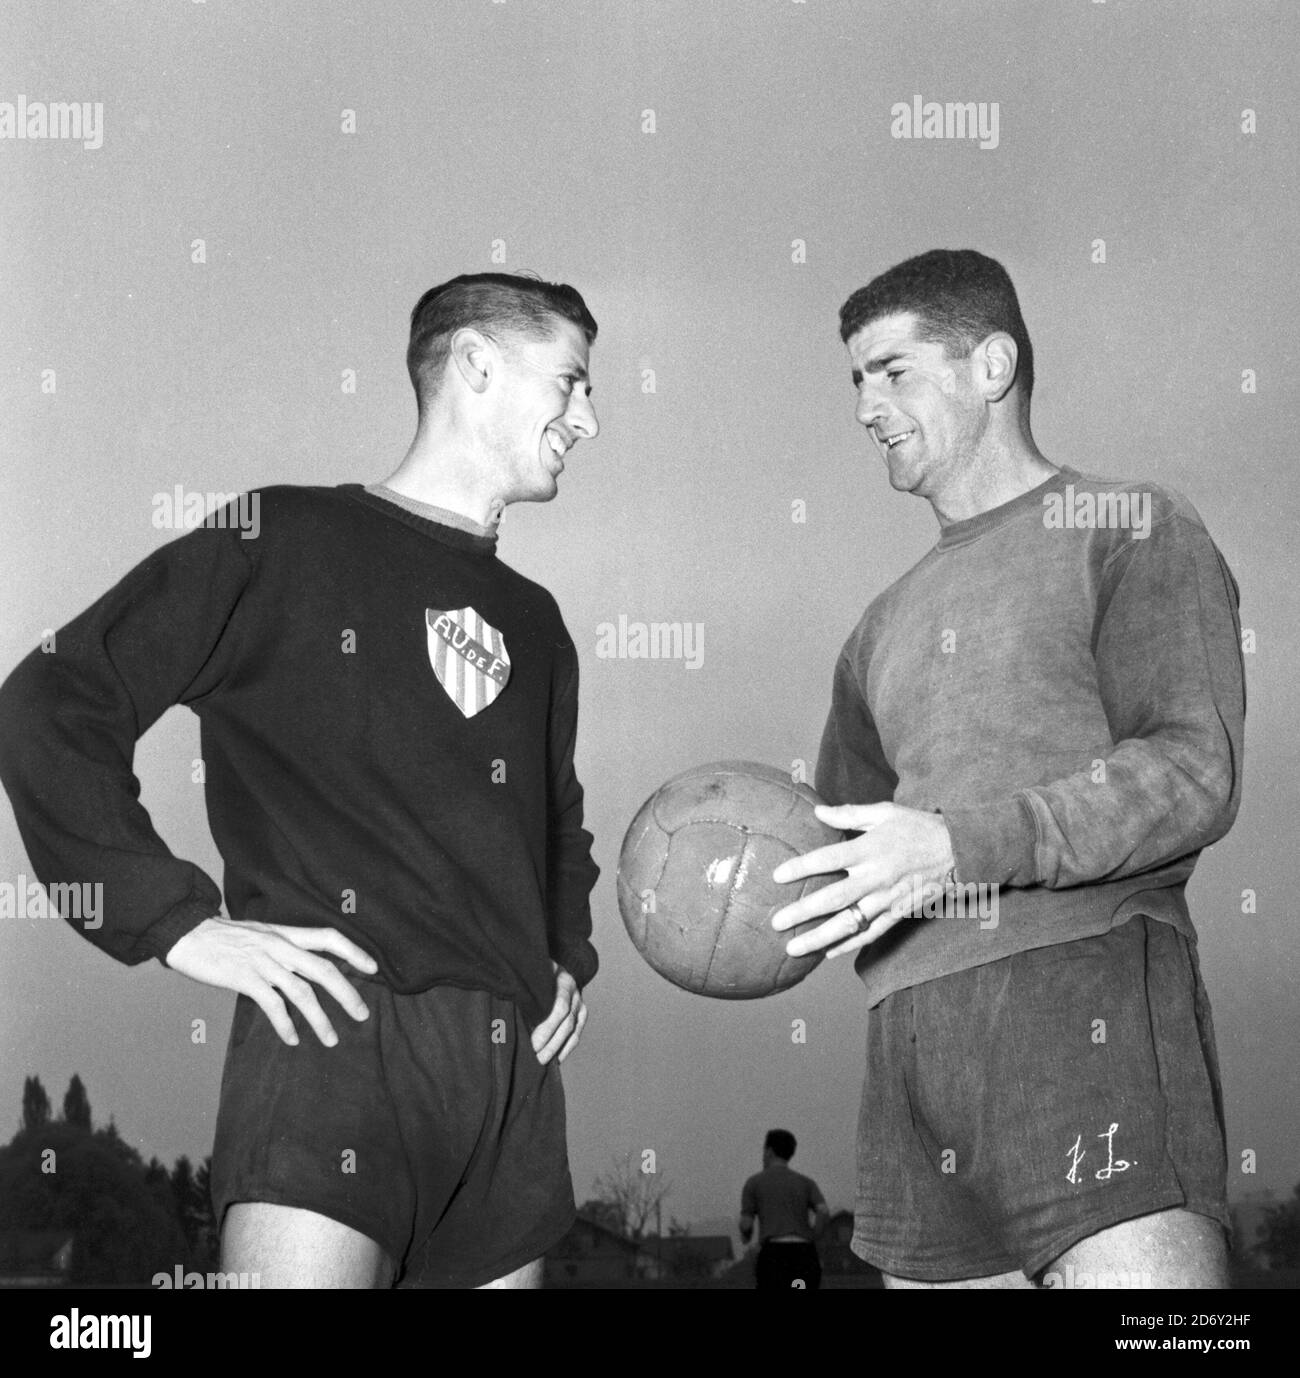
column 994, row 843
column 159, row 939
column 580, row 962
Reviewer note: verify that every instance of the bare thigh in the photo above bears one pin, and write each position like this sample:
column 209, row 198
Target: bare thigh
column 288, row 1247
column 530, row 1275
column 1168, row 1249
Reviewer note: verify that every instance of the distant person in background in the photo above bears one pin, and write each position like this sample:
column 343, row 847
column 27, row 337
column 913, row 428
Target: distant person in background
column 791, row 1212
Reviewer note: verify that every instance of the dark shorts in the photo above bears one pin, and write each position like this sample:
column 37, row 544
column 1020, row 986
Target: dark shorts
column 1011, row 1110
column 784, row 1265
column 431, row 1128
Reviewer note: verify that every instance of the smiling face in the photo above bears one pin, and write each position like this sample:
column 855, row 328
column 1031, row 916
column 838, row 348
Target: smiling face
column 920, row 405
column 543, row 408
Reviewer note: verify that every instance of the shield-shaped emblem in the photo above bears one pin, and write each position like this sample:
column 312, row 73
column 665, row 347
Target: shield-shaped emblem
column 469, row 657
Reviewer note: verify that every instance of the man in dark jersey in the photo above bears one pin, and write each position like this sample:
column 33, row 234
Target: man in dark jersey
column 791, row 1212
column 1032, row 735
column 388, row 720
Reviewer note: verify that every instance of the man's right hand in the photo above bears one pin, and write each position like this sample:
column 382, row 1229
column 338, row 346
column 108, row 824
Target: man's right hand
column 266, row 961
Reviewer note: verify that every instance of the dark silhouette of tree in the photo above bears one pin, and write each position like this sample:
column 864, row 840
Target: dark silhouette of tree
column 1280, row 1237
column 183, row 1188
column 36, row 1104
column 159, row 1183
column 76, row 1104
column 192, row 1195
column 114, row 1143
column 208, row 1236
column 127, row 1220
column 93, row 1186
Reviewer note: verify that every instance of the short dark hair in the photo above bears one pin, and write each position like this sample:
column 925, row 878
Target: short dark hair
column 959, row 297
column 781, row 1142
column 498, row 304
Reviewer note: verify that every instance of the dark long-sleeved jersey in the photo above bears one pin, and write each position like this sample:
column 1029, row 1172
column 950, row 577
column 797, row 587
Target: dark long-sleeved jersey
column 388, row 717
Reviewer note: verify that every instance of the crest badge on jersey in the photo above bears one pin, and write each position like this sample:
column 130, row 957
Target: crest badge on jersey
column 469, row 657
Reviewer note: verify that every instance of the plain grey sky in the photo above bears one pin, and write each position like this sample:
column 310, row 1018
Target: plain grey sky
column 524, row 122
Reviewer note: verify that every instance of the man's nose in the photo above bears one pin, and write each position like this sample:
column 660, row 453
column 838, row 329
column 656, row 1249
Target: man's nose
column 870, row 407
column 582, row 417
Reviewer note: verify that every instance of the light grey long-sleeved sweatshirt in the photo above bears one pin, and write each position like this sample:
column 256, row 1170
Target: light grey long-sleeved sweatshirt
column 1061, row 677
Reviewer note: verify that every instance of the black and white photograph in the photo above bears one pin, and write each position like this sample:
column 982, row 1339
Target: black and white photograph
column 649, row 645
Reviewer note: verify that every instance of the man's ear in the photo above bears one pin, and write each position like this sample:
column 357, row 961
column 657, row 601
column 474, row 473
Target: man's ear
column 473, row 358
column 996, row 359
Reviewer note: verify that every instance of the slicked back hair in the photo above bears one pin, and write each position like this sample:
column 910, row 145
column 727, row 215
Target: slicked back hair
column 781, row 1142
column 959, row 296
column 497, row 304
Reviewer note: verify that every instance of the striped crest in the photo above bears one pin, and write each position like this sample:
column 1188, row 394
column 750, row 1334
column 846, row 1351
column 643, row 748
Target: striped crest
column 469, row 657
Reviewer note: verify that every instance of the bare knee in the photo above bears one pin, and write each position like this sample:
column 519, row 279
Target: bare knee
column 284, row 1246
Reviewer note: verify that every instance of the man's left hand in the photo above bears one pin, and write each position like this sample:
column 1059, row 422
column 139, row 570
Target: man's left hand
column 900, row 850
column 560, row 1030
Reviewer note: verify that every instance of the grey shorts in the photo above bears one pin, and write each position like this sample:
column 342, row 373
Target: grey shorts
column 1013, row 1109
